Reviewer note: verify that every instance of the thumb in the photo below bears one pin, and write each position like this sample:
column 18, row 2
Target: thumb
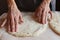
column 4, row 22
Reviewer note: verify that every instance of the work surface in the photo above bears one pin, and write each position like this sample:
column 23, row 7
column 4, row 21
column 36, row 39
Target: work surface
column 47, row 35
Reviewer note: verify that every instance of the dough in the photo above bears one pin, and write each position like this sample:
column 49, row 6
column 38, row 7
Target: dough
column 29, row 27
column 55, row 23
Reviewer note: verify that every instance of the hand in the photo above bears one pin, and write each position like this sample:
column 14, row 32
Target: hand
column 13, row 18
column 41, row 13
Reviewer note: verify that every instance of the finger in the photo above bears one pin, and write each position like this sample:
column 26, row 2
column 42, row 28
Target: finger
column 43, row 17
column 12, row 23
column 40, row 15
column 9, row 28
column 4, row 22
column 37, row 12
column 50, row 12
column 20, row 19
column 41, row 12
column 16, row 24
column 8, row 25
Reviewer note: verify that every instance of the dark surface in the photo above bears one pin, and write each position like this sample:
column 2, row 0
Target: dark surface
column 3, row 6
column 28, row 5
column 58, row 5
column 23, row 5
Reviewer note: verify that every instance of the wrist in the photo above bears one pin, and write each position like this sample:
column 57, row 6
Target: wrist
column 11, row 3
column 47, row 1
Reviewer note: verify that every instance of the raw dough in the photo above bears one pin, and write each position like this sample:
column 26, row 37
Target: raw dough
column 55, row 23
column 29, row 27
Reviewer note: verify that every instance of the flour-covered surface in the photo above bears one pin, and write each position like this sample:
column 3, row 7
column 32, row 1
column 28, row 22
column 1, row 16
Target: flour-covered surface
column 29, row 27
column 47, row 35
column 55, row 22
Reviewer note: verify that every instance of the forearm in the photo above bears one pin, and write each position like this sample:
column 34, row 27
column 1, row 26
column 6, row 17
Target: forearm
column 11, row 3
column 45, row 2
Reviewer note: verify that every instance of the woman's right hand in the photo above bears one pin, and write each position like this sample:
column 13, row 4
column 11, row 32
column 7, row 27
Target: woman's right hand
column 13, row 18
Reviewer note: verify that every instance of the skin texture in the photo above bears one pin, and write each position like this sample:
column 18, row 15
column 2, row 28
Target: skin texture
column 42, row 11
column 14, row 15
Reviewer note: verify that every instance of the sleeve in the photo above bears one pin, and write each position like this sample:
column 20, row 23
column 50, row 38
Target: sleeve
column 53, row 4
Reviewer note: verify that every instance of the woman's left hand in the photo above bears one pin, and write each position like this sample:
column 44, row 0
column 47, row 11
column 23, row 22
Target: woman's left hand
column 41, row 13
